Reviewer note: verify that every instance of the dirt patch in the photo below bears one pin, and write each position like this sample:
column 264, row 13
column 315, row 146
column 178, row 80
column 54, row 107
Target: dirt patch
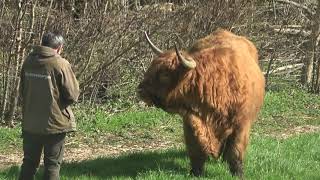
column 91, row 151
column 296, row 131
column 7, row 160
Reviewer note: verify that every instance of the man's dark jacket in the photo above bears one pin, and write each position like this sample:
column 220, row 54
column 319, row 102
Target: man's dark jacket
column 48, row 87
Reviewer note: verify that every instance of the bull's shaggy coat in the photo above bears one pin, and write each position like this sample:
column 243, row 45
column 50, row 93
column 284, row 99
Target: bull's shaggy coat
column 219, row 99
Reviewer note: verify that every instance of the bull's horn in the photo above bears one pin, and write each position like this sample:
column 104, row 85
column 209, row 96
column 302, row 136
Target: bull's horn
column 188, row 63
column 154, row 48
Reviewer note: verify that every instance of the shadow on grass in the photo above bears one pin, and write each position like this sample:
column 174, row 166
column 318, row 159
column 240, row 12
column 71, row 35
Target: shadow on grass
column 125, row 166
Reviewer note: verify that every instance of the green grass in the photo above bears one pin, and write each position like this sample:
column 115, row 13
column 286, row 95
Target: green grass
column 267, row 158
column 133, row 120
column 288, row 107
column 132, row 125
column 137, row 125
column 9, row 139
column 294, row 158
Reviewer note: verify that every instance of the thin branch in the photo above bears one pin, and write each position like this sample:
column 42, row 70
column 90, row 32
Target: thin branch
column 46, row 20
column 290, row 31
column 88, row 62
column 285, row 68
column 305, row 8
column 269, row 68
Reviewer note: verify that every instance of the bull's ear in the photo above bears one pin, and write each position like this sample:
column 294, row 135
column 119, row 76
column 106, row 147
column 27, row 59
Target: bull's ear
column 188, row 63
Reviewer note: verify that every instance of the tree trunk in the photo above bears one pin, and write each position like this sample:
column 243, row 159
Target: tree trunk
column 316, row 64
column 6, row 86
column 18, row 50
column 46, row 20
column 310, row 71
column 306, row 74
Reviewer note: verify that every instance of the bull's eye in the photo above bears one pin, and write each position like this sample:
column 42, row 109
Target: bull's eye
column 164, row 78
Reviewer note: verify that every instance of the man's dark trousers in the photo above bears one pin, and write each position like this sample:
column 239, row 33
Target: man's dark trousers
column 53, row 147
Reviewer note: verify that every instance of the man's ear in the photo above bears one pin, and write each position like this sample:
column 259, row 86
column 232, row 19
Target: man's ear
column 59, row 49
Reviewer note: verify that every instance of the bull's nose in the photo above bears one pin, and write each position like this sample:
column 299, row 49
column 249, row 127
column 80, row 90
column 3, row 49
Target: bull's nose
column 139, row 86
column 139, row 89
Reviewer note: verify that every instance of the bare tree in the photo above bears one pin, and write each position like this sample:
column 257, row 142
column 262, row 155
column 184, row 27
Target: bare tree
column 311, row 13
column 315, row 38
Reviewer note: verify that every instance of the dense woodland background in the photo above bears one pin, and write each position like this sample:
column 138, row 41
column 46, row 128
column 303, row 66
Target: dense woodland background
column 105, row 43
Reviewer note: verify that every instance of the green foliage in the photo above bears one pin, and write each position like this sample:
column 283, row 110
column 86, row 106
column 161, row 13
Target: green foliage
column 10, row 138
column 294, row 158
column 104, row 122
column 290, row 102
column 287, row 106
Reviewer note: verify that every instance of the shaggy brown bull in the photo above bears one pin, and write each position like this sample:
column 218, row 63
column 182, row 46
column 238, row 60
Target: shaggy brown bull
column 218, row 89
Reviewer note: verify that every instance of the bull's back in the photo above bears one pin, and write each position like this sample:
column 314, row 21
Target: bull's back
column 251, row 76
column 232, row 62
column 242, row 62
column 220, row 39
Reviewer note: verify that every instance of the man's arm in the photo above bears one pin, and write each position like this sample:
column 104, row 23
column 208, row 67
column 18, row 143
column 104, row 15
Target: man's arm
column 69, row 86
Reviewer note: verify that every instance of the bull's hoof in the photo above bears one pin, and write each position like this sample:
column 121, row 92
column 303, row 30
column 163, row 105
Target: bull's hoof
column 236, row 169
column 196, row 172
column 238, row 174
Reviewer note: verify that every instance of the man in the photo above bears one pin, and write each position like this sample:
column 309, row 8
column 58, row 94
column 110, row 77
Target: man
column 48, row 87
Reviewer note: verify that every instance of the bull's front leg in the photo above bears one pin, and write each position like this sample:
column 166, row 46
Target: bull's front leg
column 198, row 143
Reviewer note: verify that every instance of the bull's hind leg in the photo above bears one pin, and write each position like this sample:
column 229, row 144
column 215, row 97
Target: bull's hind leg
column 235, row 148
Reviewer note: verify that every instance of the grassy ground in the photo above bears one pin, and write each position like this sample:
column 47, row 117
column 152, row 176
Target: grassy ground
column 293, row 158
column 287, row 107
column 280, row 146
column 10, row 139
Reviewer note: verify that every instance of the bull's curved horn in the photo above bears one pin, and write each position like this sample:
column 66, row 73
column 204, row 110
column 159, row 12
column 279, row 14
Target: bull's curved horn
column 188, row 63
column 154, row 48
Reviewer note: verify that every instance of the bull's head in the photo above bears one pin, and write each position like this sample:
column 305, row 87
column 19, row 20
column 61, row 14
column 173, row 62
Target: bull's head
column 163, row 77
column 188, row 63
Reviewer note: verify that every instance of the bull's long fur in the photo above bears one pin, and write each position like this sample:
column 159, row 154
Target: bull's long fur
column 218, row 100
